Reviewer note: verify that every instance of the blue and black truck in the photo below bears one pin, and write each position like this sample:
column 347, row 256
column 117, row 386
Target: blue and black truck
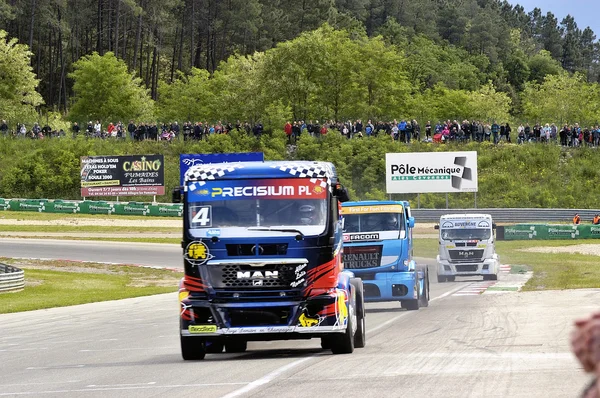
column 262, row 255
column 378, row 248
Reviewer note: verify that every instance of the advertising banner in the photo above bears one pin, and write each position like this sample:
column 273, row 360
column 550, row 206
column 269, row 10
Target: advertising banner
column 431, row 172
column 134, row 175
column 188, row 160
column 551, row 232
column 285, row 188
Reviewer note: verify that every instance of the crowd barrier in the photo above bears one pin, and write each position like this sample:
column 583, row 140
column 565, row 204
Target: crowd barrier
column 548, row 232
column 92, row 207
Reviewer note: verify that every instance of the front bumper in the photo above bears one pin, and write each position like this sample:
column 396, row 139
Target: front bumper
column 487, row 267
column 318, row 315
column 390, row 286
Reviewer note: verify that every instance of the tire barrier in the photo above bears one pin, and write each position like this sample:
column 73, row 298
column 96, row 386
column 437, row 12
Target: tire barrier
column 92, row 207
column 11, row 278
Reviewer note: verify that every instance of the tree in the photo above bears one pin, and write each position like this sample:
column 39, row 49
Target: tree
column 106, row 91
column 187, row 98
column 541, row 65
column 18, row 95
column 487, row 104
column 562, row 98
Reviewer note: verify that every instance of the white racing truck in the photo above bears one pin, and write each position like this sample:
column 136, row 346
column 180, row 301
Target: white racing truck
column 466, row 247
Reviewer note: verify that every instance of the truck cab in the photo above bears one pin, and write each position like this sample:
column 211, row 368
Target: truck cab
column 466, row 247
column 378, row 248
column 262, row 258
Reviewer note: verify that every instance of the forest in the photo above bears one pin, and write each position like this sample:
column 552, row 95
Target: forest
column 280, row 59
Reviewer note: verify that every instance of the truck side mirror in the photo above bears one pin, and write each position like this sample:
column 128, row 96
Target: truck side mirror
column 411, row 222
column 494, row 226
column 176, row 198
column 437, row 226
column 340, row 193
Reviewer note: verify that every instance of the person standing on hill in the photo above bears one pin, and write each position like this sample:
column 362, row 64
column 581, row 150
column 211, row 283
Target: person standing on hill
column 576, row 219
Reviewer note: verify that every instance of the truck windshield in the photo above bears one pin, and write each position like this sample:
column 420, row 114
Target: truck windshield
column 229, row 208
column 373, row 222
column 466, row 234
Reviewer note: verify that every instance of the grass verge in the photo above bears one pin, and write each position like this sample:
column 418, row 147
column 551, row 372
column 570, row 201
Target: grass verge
column 551, row 271
column 52, row 283
column 87, row 229
column 34, row 215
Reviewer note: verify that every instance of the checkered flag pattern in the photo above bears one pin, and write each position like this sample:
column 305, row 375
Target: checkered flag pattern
column 313, row 171
column 204, row 172
column 467, row 173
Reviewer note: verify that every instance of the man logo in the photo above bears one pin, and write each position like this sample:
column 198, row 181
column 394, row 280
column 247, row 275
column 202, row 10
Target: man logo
column 257, row 282
column 257, row 275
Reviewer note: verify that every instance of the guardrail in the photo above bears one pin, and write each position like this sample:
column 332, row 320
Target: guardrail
column 510, row 215
column 11, row 278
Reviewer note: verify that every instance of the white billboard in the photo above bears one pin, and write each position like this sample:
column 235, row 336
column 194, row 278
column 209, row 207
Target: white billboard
column 431, row 172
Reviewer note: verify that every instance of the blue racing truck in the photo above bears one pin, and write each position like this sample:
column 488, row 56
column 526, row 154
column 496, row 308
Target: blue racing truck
column 262, row 245
column 378, row 248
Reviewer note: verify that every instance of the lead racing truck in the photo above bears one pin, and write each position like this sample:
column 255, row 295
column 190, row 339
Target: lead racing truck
column 378, row 248
column 262, row 258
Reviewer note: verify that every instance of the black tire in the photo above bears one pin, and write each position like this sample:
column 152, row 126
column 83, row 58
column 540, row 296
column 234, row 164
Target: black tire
column 326, row 343
column 236, row 346
column 344, row 343
column 192, row 348
column 425, row 296
column 451, row 278
column 360, row 337
column 214, row 347
column 441, row 279
column 490, row 277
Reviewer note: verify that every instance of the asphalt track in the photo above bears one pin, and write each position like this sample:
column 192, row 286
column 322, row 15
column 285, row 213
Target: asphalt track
column 498, row 345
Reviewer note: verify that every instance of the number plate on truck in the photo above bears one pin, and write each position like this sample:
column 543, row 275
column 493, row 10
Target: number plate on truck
column 202, row 328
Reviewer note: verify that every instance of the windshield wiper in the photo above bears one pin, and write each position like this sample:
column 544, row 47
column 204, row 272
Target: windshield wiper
column 297, row 231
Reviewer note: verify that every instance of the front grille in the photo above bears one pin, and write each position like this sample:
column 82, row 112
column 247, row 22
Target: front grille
column 259, row 316
column 279, row 249
column 240, row 276
column 466, row 268
column 360, row 257
column 466, row 255
column 228, row 295
column 466, row 244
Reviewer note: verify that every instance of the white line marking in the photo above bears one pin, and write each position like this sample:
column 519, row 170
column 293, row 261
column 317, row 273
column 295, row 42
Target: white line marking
column 267, row 378
column 144, row 387
column 54, row 367
column 120, row 385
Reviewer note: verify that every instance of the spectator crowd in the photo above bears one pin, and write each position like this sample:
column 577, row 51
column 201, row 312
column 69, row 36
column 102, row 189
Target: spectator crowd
column 405, row 131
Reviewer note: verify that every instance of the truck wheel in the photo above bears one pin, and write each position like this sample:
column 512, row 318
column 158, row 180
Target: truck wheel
column 344, row 343
column 326, row 343
column 451, row 278
column 214, row 347
column 192, row 348
column 441, row 279
column 360, row 337
column 236, row 346
column 425, row 295
column 491, row 277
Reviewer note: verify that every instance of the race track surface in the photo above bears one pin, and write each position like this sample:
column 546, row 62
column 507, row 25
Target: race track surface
column 462, row 345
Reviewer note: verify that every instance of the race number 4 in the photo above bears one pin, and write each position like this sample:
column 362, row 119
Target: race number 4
column 202, row 218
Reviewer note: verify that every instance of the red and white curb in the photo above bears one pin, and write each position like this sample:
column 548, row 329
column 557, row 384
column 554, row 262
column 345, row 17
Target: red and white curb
column 478, row 288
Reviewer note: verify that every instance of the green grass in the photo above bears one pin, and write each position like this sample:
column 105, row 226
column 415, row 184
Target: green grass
column 52, row 284
column 86, row 229
column 34, row 215
column 550, row 271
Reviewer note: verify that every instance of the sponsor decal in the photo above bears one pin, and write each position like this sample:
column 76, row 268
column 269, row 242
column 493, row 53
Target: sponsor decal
column 288, row 188
column 213, row 232
column 197, row 253
column 372, row 209
column 361, row 237
column 202, row 329
column 308, row 321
